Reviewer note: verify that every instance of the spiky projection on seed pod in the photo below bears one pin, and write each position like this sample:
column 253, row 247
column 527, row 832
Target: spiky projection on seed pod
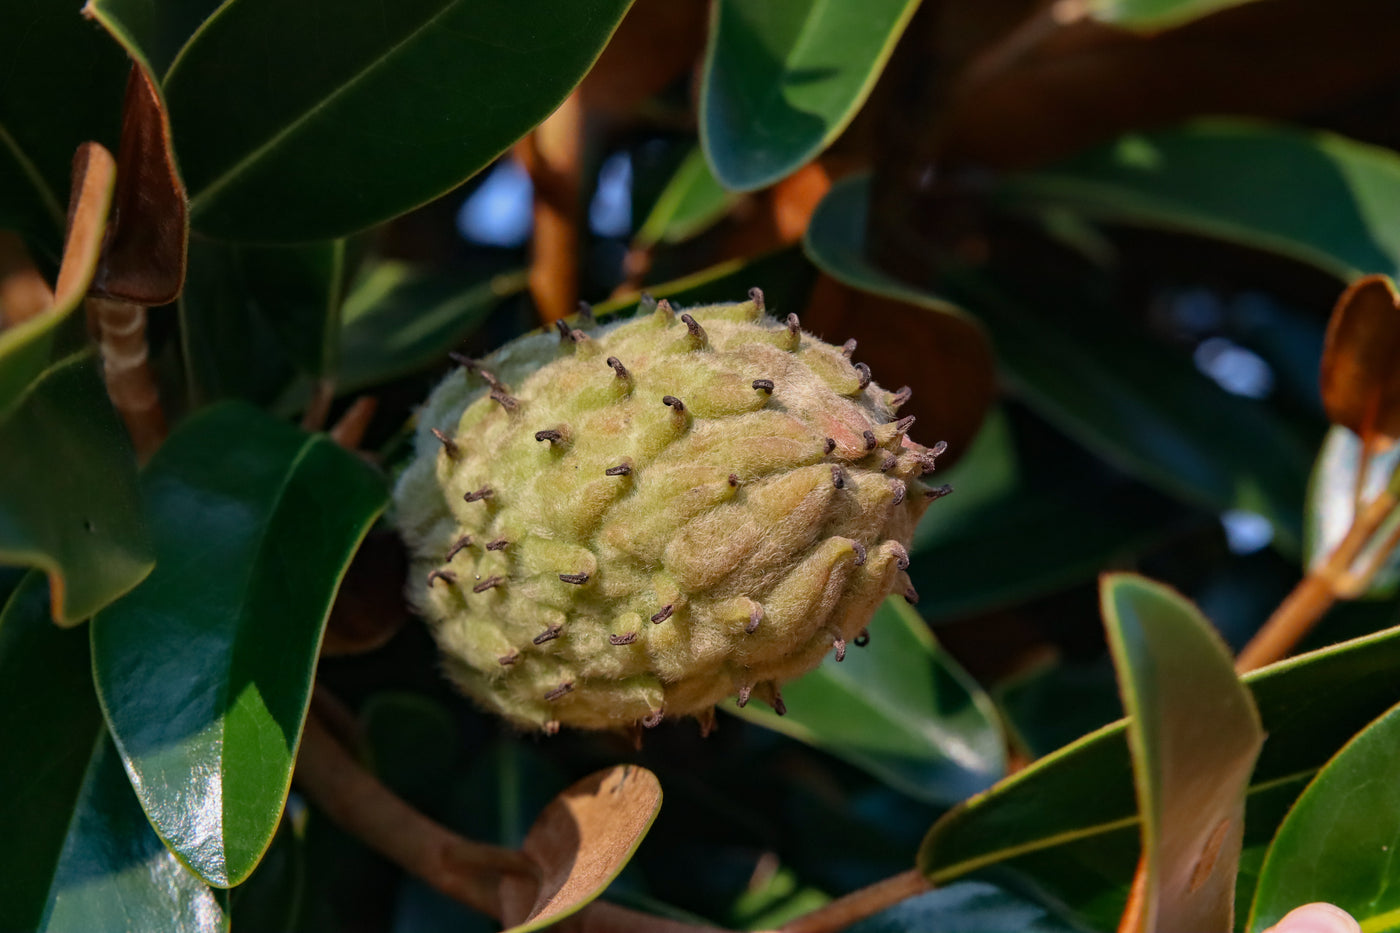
column 641, row 521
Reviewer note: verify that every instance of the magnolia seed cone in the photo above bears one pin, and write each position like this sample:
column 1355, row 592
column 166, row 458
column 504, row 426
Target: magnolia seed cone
column 638, row 522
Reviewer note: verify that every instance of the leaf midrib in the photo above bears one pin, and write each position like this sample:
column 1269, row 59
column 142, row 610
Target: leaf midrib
column 211, row 190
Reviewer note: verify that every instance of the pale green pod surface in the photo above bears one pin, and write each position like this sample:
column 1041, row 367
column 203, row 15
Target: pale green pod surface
column 640, row 521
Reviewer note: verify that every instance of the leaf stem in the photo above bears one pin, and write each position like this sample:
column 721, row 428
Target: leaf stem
column 858, row 905
column 1322, row 587
column 467, row 871
column 553, row 156
column 126, row 368
column 355, row 800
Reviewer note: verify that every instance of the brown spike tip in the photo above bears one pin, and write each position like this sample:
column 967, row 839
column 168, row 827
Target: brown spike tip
column 446, row 576
column 488, row 583
column 863, row 375
column 449, row 446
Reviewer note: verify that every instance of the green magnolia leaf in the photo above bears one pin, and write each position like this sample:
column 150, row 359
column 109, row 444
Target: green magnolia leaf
column 773, row 900
column 1018, row 486
column 399, row 319
column 1056, row 702
column 1336, row 844
column 900, row 708
column 1069, row 821
column 70, row 503
column 969, row 907
column 692, row 201
column 1330, row 506
column 299, row 291
column 1315, row 197
column 151, row 33
column 1154, row 15
column 205, row 670
column 785, row 77
column 1194, row 735
column 400, row 103
column 79, row 854
column 48, row 107
column 785, row 276
column 1125, row 397
column 252, row 315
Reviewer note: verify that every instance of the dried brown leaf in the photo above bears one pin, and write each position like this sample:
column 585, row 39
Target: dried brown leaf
column 580, row 842
column 144, row 258
column 23, row 291
column 94, row 173
column 1361, row 361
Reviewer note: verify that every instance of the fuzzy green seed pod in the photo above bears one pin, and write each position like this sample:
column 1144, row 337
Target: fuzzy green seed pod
column 639, row 522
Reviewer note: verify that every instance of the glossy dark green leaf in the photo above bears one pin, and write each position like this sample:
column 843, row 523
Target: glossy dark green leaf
column 205, row 670
column 901, row 708
column 785, row 77
column 252, row 316
column 152, row 33
column 69, row 501
column 1154, row 15
column 1194, row 735
column 1069, row 821
column 1331, row 501
column 691, row 202
column 970, row 907
column 63, row 86
column 1336, row 844
column 300, row 291
column 397, row 105
column 1225, row 179
column 1129, row 399
column 271, row 898
column 1018, row 486
column 78, row 852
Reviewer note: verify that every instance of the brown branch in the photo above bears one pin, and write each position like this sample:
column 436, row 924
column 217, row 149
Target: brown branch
column 1317, row 591
column 121, row 327
column 349, row 430
column 553, row 155
column 318, row 407
column 337, row 784
column 858, row 905
column 466, row 871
